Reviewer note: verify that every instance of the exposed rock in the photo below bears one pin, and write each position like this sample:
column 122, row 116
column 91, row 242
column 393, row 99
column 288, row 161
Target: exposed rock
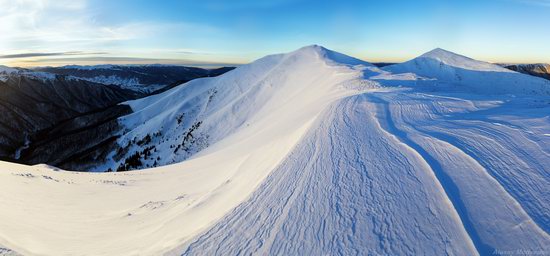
column 540, row 70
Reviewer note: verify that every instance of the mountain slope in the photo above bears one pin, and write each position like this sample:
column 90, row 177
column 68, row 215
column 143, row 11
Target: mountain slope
column 481, row 77
column 172, row 126
column 309, row 152
column 71, row 122
column 33, row 101
column 541, row 70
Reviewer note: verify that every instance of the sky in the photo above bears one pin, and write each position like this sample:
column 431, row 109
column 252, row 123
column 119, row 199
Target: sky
column 223, row 32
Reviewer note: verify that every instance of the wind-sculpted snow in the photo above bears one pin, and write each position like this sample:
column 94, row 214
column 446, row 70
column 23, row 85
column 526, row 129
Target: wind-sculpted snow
column 307, row 153
column 330, row 195
column 337, row 194
column 472, row 184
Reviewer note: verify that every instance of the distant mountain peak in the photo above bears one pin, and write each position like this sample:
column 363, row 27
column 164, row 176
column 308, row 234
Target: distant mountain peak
column 445, row 56
column 439, row 51
column 459, row 61
column 314, row 47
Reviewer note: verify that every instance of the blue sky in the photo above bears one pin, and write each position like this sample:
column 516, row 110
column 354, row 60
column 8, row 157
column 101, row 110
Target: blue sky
column 60, row 32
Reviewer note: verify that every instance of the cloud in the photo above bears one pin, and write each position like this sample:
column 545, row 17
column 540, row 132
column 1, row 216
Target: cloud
column 46, row 54
column 36, row 29
column 62, row 24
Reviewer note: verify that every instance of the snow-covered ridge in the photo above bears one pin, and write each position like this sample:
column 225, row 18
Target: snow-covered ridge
column 308, row 152
column 242, row 115
column 5, row 72
column 449, row 68
column 193, row 116
column 460, row 61
column 334, row 57
column 539, row 69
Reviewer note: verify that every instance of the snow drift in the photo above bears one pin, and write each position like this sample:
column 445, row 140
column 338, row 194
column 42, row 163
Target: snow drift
column 309, row 152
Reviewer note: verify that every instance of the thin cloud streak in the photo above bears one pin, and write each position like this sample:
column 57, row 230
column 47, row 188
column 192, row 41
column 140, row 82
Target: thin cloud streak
column 47, row 54
column 120, row 61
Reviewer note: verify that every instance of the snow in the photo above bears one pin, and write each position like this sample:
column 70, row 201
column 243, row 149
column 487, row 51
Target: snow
column 308, row 153
column 91, row 67
column 111, row 66
column 123, row 80
column 5, row 72
column 481, row 77
column 44, row 76
column 125, row 83
column 247, row 99
column 459, row 61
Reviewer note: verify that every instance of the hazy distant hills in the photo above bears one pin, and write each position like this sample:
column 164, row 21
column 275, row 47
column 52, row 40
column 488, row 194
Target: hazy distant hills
column 140, row 78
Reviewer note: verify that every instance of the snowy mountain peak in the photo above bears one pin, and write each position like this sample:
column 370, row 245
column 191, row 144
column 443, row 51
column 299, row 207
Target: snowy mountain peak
column 446, row 67
column 440, row 52
column 459, row 61
column 313, row 47
column 330, row 56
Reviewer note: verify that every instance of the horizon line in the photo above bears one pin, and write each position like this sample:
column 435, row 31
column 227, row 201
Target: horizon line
column 45, row 59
